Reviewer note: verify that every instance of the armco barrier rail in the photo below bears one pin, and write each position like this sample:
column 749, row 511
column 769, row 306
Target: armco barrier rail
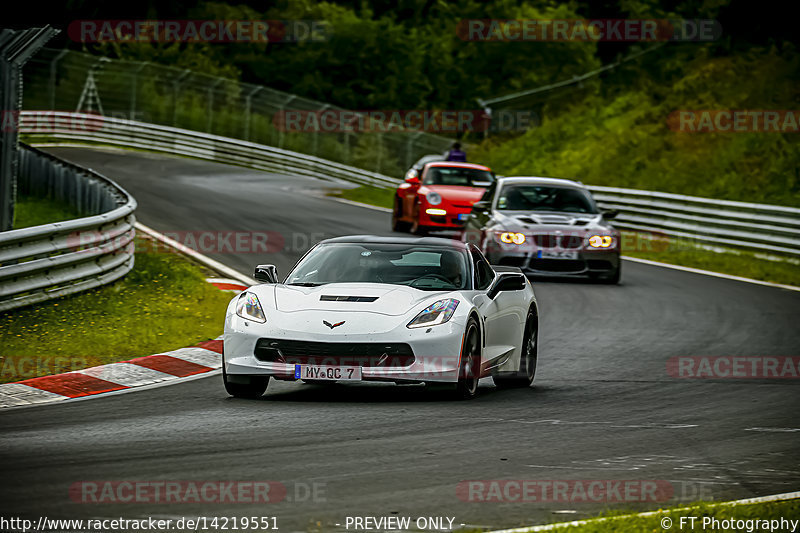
column 44, row 262
column 758, row 227
column 80, row 127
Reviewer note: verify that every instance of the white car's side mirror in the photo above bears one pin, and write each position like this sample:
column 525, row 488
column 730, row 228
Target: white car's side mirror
column 506, row 282
column 266, row 274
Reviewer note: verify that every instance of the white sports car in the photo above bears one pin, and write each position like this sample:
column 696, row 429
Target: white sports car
column 366, row 308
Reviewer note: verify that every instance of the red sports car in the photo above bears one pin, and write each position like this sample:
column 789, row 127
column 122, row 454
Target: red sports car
column 439, row 196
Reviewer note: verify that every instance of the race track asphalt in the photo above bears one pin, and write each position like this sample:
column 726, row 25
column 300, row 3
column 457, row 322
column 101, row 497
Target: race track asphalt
column 603, row 406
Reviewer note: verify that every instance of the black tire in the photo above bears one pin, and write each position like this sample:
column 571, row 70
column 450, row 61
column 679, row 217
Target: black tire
column 614, row 278
column 469, row 365
column 252, row 390
column 397, row 224
column 416, row 229
column 527, row 366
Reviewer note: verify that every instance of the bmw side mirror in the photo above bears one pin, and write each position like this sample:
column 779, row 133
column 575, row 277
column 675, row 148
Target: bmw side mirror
column 483, row 205
column 266, row 274
column 506, row 282
column 611, row 213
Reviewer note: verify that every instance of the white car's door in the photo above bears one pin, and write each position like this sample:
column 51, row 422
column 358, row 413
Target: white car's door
column 503, row 318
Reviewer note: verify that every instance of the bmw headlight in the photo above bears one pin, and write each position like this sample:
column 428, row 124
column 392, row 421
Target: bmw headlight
column 601, row 241
column 511, row 238
column 434, row 198
column 435, row 314
column 248, row 307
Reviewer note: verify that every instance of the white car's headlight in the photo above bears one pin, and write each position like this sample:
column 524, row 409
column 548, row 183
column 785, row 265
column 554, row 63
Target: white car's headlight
column 435, row 314
column 601, row 241
column 434, row 198
column 248, row 306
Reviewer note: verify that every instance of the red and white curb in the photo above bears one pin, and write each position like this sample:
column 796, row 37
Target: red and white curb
column 167, row 366
column 114, row 377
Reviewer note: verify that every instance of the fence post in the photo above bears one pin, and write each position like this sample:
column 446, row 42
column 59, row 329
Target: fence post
column 135, row 88
column 248, row 106
column 16, row 47
column 280, row 109
column 52, row 84
column 175, row 86
column 210, row 108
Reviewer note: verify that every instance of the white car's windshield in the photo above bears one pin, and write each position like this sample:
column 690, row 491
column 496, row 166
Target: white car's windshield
column 545, row 198
column 421, row 267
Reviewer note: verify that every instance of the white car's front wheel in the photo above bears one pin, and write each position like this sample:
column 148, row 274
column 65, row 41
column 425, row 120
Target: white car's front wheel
column 527, row 365
column 245, row 386
column 469, row 366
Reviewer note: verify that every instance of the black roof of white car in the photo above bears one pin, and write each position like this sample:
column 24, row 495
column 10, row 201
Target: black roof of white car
column 378, row 239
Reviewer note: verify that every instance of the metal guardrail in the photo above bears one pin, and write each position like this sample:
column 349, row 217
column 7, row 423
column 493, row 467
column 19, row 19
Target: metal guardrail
column 758, row 227
column 40, row 263
column 81, row 127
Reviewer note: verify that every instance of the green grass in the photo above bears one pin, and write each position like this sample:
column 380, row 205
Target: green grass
column 629, row 522
column 164, row 303
column 685, row 253
column 367, row 195
column 31, row 211
column 789, row 510
column 621, row 134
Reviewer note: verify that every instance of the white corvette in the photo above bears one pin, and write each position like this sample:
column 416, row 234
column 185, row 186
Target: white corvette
column 365, row 308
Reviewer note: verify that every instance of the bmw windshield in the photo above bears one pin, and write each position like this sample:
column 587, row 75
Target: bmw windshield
column 421, row 267
column 545, row 198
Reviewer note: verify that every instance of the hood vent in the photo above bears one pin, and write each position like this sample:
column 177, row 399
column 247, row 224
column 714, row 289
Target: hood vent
column 330, row 298
column 553, row 220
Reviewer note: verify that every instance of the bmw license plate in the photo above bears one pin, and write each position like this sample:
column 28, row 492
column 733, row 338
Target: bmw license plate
column 328, row 373
column 556, row 254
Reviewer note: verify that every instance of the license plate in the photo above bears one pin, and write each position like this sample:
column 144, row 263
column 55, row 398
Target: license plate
column 328, row 373
column 556, row 254
column 463, row 216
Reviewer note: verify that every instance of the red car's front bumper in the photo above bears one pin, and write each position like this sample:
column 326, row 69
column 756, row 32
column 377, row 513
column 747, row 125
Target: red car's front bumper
column 443, row 216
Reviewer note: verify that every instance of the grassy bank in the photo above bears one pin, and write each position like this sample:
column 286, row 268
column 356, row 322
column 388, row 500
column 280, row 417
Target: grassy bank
column 625, row 133
column 716, row 516
column 164, row 303
column 727, row 261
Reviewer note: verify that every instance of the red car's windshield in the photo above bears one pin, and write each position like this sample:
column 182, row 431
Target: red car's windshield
column 467, row 177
